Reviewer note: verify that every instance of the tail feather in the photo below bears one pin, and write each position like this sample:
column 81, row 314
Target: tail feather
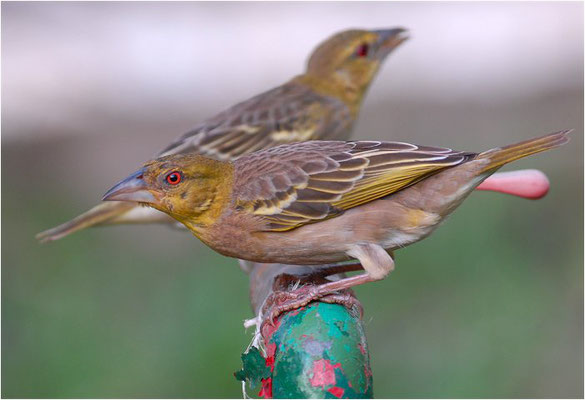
column 503, row 155
column 108, row 213
column 97, row 215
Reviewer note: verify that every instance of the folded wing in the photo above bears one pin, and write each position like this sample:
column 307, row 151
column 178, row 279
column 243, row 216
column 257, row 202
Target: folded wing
column 289, row 113
column 290, row 186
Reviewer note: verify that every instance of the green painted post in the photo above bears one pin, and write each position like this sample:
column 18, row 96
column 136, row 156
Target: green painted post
column 317, row 351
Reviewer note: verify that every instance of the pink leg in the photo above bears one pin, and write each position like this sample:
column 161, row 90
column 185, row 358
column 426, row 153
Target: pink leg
column 375, row 260
column 331, row 292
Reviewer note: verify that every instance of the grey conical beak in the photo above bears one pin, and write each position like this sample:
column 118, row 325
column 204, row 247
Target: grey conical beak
column 133, row 188
column 389, row 39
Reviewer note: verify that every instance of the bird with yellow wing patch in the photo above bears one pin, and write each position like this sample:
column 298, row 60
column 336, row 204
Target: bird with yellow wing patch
column 321, row 201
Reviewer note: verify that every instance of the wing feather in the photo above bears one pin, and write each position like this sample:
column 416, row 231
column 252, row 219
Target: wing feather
column 301, row 183
column 289, row 113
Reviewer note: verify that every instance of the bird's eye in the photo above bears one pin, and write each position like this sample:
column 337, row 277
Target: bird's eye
column 362, row 50
column 173, row 178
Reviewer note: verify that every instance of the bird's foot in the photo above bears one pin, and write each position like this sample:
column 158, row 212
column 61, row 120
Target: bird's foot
column 284, row 298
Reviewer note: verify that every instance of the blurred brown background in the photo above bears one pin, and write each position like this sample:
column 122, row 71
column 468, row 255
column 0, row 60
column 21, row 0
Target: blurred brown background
column 490, row 306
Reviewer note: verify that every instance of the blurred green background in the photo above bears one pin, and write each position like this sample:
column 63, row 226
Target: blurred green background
column 490, row 306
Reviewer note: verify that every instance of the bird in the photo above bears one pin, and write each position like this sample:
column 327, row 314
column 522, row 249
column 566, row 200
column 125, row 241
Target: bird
column 318, row 202
column 322, row 103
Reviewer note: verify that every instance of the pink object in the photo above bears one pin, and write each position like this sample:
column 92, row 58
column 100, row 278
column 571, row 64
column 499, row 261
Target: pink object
column 527, row 183
column 323, row 373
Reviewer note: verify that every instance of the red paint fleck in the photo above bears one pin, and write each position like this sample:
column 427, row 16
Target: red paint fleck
column 362, row 348
column 266, row 390
column 307, row 338
column 323, row 373
column 294, row 312
column 336, row 391
column 367, row 371
column 270, row 351
column 270, row 362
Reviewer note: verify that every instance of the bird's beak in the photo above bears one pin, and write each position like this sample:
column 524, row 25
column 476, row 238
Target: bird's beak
column 389, row 39
column 132, row 188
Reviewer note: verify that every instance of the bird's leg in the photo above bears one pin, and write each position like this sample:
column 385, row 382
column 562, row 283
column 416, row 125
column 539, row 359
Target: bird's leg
column 374, row 259
column 246, row 265
column 332, row 269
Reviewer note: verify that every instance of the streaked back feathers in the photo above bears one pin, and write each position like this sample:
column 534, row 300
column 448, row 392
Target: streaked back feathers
column 301, row 183
column 320, row 104
column 292, row 185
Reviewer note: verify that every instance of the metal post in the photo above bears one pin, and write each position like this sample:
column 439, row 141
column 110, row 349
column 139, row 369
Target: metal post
column 317, row 351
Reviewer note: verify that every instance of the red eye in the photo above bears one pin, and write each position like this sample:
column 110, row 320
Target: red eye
column 173, row 178
column 362, row 51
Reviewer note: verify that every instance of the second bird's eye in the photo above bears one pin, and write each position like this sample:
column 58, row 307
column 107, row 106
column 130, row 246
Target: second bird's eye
column 362, row 50
column 173, row 178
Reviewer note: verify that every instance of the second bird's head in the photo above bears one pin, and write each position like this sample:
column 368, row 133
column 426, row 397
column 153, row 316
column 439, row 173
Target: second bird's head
column 190, row 188
column 354, row 56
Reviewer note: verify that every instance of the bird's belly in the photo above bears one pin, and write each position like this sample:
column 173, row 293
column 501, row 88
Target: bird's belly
column 397, row 239
column 382, row 222
column 311, row 247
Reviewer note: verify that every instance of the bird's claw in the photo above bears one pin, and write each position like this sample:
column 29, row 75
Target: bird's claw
column 282, row 301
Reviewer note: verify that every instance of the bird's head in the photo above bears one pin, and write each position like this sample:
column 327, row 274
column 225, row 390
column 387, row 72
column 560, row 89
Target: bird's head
column 190, row 188
column 353, row 57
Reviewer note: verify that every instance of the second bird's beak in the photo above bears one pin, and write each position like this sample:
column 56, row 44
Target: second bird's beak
column 133, row 188
column 389, row 39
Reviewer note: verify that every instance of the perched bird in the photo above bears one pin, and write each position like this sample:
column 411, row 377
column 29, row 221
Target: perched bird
column 321, row 201
column 322, row 103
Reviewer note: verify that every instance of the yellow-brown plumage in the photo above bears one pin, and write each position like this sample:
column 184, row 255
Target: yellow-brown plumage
column 322, row 103
column 328, row 178
column 321, row 201
column 203, row 202
column 285, row 188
